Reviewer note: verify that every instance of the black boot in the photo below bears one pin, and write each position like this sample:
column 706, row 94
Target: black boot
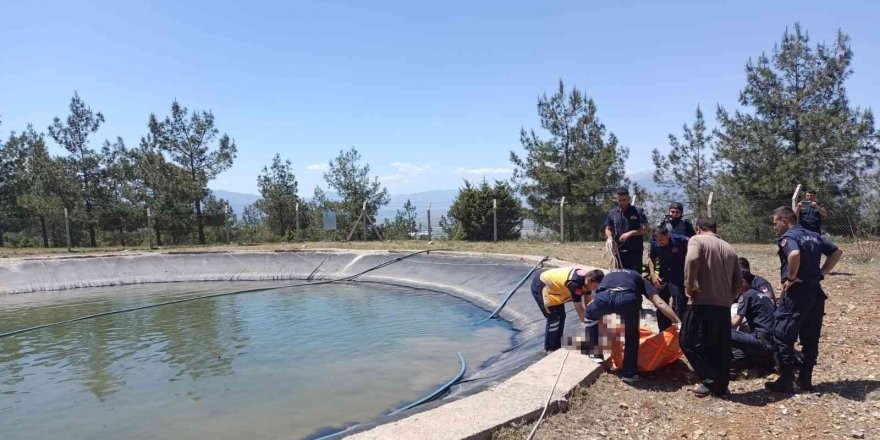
column 805, row 379
column 785, row 383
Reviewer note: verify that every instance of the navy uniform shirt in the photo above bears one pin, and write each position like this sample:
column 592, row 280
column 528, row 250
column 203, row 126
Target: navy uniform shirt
column 758, row 309
column 619, row 280
column 682, row 227
column 670, row 258
column 810, row 218
column 624, row 221
column 762, row 285
column 812, row 246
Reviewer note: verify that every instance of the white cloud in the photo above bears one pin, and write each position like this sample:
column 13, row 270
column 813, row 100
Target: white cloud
column 485, row 171
column 318, row 167
column 406, row 173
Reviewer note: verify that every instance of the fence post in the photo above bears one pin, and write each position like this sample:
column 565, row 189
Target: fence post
column 364, row 211
column 562, row 220
column 709, row 205
column 794, row 197
column 296, row 218
column 67, row 228
column 495, row 220
column 227, row 222
column 149, row 228
column 429, row 221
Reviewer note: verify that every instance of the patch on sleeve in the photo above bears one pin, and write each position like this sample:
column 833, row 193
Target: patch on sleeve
column 783, row 242
column 765, row 289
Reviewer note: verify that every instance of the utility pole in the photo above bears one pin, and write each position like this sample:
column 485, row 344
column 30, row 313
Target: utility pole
column 429, row 221
column 562, row 220
column 495, row 220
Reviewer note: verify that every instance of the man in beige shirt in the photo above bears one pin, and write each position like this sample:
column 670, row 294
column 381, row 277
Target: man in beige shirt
column 712, row 280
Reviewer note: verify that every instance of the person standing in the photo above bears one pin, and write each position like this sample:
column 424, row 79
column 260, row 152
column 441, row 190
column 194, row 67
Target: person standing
column 624, row 227
column 712, row 282
column 811, row 213
column 666, row 266
column 677, row 224
column 552, row 288
column 800, row 309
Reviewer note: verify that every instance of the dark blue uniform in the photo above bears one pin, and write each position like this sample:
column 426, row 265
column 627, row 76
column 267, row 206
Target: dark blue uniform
column 621, row 221
column 800, row 310
column 810, row 218
column 620, row 292
column 762, row 285
column 670, row 258
column 682, row 227
column 755, row 346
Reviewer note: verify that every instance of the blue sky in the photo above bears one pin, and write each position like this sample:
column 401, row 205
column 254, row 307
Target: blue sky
column 430, row 94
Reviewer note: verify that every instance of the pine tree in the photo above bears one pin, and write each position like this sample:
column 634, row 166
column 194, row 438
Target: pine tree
column 577, row 161
column 686, row 167
column 352, row 182
column 278, row 189
column 189, row 140
column 800, row 128
column 471, row 213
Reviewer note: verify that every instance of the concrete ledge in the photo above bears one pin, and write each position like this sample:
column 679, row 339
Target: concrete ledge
column 519, row 399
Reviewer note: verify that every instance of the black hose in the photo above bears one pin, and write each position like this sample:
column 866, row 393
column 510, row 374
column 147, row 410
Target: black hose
column 438, row 391
column 512, row 291
column 213, row 295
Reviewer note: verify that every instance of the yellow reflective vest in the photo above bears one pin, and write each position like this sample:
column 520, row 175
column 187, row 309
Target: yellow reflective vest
column 555, row 292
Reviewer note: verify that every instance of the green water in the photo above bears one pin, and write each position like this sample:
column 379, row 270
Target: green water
column 283, row 363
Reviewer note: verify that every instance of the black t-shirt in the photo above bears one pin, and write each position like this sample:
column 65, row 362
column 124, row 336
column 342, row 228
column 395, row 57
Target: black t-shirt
column 625, row 280
column 757, row 308
column 621, row 221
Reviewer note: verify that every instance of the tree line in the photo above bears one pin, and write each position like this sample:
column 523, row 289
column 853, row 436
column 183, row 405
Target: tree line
column 794, row 125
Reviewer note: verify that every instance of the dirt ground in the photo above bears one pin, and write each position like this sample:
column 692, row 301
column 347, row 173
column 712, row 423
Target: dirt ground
column 846, row 403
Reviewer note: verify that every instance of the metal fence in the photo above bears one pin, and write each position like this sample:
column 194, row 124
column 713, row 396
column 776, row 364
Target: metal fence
column 741, row 218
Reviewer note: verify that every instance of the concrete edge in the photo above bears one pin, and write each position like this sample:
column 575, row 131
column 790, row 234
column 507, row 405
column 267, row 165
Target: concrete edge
column 520, row 399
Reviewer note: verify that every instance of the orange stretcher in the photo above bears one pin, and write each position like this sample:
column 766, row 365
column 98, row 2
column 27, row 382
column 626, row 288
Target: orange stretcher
column 656, row 350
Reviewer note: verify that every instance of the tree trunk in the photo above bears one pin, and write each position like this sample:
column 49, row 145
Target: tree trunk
column 158, row 232
column 2, row 243
column 92, row 242
column 122, row 233
column 43, row 231
column 200, row 222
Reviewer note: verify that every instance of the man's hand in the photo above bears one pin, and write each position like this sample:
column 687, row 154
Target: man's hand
column 625, row 236
column 788, row 283
column 692, row 291
column 814, row 204
column 655, row 280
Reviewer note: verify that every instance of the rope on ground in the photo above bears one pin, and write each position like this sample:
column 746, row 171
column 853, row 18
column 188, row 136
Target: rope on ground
column 549, row 397
column 213, row 295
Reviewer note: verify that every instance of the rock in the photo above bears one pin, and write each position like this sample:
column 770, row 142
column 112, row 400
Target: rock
column 857, row 434
column 698, row 433
column 623, row 405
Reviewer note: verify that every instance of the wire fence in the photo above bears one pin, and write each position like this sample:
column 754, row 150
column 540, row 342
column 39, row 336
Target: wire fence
column 742, row 218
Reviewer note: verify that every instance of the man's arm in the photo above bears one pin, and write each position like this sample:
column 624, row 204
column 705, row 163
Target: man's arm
column 831, row 261
column 691, row 267
column 823, row 212
column 664, row 308
column 737, row 281
column 609, row 234
column 794, row 263
column 651, row 269
column 736, row 321
column 579, row 308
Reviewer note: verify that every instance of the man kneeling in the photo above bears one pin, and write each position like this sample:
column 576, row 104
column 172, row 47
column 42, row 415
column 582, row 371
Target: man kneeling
column 621, row 292
column 753, row 348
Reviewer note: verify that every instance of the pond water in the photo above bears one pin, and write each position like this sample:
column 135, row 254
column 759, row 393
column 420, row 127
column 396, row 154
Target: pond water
column 278, row 363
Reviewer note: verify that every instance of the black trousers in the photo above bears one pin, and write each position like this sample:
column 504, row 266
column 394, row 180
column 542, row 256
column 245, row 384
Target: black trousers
column 705, row 341
column 631, row 258
column 752, row 349
column 679, row 303
column 555, row 316
column 799, row 315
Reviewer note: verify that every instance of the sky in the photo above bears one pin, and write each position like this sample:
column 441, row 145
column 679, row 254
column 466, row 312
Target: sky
column 429, row 93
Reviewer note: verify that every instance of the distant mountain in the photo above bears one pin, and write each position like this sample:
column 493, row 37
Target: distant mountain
column 237, row 201
column 645, row 179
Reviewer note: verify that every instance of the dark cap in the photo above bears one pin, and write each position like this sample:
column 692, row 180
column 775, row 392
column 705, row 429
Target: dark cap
column 676, row 205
